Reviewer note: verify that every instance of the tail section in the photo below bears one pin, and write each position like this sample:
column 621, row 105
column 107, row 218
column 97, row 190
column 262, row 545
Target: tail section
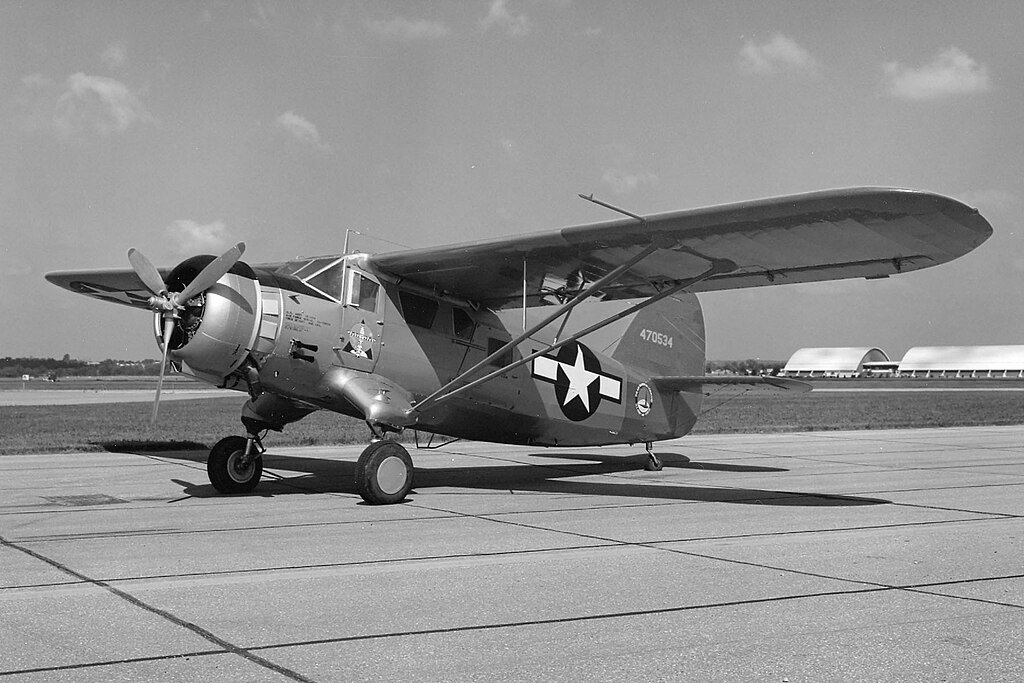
column 666, row 338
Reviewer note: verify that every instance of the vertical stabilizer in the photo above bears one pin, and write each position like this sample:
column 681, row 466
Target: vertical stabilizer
column 666, row 338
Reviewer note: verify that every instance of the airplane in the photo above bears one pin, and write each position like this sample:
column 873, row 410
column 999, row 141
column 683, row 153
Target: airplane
column 500, row 340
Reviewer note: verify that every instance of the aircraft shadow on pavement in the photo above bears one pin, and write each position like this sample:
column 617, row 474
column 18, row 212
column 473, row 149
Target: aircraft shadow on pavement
column 317, row 475
column 139, row 446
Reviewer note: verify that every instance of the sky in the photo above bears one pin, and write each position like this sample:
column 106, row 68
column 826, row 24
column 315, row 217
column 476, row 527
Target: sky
column 180, row 128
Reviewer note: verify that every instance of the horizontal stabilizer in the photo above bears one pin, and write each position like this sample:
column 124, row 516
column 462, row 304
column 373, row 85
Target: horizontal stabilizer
column 697, row 384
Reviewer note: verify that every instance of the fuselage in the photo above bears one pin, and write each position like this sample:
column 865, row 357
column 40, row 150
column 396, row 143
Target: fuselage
column 329, row 333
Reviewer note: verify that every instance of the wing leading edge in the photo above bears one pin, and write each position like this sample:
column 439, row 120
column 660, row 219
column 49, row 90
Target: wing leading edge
column 827, row 235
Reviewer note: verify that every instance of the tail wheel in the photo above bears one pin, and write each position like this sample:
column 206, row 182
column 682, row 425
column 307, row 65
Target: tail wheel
column 230, row 470
column 384, row 473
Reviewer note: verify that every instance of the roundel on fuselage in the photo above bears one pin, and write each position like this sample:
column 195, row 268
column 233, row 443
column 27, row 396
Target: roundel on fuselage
column 579, row 381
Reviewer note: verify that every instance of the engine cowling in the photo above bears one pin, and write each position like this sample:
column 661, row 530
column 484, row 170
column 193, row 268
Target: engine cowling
column 217, row 328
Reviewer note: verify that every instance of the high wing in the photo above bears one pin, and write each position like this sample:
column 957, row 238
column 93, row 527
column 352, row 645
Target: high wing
column 697, row 384
column 827, row 235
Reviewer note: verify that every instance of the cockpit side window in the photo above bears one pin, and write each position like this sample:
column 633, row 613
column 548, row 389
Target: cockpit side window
column 362, row 292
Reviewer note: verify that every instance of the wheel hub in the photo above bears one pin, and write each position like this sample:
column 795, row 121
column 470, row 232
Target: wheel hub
column 392, row 475
column 240, row 467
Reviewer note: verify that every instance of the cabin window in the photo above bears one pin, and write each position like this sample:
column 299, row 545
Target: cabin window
column 463, row 324
column 495, row 344
column 418, row 310
column 362, row 292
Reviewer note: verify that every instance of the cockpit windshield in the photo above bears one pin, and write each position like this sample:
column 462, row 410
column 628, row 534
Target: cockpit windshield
column 329, row 280
column 326, row 274
column 303, row 268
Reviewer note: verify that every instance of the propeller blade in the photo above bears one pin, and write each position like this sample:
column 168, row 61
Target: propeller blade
column 168, row 331
column 209, row 275
column 147, row 272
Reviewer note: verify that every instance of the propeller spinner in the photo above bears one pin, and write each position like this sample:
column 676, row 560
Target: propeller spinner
column 168, row 304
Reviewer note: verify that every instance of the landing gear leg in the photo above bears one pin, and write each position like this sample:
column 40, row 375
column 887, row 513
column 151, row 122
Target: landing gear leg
column 384, row 473
column 235, row 464
column 653, row 463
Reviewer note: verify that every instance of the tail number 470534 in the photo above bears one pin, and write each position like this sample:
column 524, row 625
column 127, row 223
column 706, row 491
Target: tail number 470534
column 656, row 337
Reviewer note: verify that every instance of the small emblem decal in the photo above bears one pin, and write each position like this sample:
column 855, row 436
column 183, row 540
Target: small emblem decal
column 643, row 399
column 580, row 384
column 360, row 342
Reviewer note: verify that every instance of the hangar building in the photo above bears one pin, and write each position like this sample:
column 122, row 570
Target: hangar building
column 847, row 361
column 963, row 361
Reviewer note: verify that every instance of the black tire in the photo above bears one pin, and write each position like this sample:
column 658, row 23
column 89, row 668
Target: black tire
column 225, row 470
column 653, row 463
column 384, row 473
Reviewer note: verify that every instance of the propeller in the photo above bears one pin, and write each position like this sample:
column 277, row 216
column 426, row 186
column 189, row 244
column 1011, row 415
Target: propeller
column 168, row 303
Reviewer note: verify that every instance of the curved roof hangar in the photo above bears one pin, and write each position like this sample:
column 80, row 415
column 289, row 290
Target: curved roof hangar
column 963, row 359
column 846, row 359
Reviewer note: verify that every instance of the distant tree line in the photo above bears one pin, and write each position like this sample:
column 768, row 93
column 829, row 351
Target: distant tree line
column 72, row 367
column 750, row 366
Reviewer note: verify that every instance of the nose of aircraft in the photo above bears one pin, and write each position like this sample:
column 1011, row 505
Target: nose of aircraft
column 169, row 304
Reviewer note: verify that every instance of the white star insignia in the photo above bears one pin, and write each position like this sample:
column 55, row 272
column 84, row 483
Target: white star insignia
column 580, row 380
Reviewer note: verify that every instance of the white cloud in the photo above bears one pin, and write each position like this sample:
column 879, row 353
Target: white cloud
column 114, row 56
column 400, row 28
column 301, row 129
column 950, row 73
column 778, row 55
column 624, row 182
column 190, row 238
column 95, row 104
column 499, row 16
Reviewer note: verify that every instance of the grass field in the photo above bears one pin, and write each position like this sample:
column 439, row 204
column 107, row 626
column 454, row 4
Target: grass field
column 200, row 423
column 100, row 383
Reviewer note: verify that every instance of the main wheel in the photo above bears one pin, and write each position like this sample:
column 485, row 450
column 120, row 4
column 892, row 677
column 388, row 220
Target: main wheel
column 230, row 470
column 384, row 473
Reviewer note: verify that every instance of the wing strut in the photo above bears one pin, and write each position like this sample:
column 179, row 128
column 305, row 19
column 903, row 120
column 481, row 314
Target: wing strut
column 559, row 312
column 562, row 310
column 450, row 389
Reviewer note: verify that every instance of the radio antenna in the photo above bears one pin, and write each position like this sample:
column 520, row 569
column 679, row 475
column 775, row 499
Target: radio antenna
column 590, row 198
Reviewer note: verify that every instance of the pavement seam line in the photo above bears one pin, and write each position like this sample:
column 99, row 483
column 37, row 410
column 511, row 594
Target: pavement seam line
column 870, row 588
column 109, row 662
column 570, row 620
column 203, row 633
column 657, row 547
